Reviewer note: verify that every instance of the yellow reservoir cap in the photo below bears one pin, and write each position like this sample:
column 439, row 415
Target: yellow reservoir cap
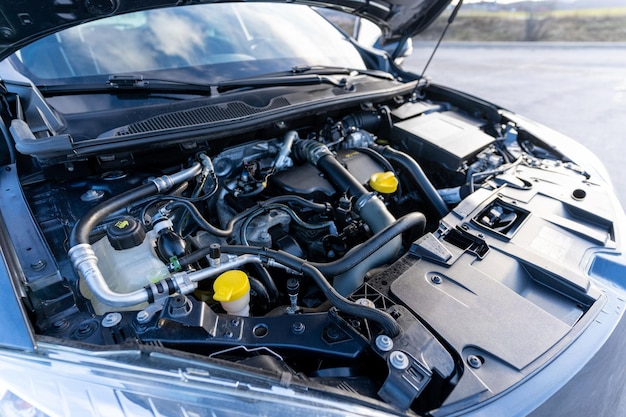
column 384, row 182
column 231, row 286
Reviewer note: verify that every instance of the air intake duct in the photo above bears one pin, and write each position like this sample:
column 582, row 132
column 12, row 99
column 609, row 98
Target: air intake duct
column 367, row 205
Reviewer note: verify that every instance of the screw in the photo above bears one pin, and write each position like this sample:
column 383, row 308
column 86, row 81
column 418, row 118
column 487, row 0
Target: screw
column 38, row 265
column 85, row 329
column 366, row 302
column 6, row 32
column 474, row 361
column 332, row 333
column 384, row 343
column 92, row 195
column 436, row 279
column 60, row 325
column 399, row 360
column 143, row 316
column 298, row 328
column 111, row 319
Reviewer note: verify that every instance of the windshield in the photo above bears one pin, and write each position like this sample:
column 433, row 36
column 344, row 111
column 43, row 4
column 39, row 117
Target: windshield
column 211, row 42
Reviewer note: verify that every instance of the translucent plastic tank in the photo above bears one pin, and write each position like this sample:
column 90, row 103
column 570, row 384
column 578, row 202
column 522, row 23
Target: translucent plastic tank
column 128, row 269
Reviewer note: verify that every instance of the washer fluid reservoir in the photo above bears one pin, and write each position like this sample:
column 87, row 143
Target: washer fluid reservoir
column 128, row 262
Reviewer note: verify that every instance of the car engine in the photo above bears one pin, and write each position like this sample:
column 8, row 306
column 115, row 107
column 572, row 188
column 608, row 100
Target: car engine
column 287, row 251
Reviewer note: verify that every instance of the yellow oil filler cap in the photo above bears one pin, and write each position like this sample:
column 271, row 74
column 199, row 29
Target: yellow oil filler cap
column 384, row 182
column 232, row 290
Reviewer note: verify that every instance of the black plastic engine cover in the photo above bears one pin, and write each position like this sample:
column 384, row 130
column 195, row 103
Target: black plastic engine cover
column 308, row 182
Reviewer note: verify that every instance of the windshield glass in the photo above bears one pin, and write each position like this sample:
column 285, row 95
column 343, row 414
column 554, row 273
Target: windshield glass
column 211, row 42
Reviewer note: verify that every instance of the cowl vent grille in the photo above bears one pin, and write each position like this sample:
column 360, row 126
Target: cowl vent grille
column 200, row 116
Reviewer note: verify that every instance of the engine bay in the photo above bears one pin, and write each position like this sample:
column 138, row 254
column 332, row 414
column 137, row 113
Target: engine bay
column 321, row 251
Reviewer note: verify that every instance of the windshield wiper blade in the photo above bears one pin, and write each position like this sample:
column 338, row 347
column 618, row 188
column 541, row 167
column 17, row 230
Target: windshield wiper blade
column 282, row 81
column 117, row 84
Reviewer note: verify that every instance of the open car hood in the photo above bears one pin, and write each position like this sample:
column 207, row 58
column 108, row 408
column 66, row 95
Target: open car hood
column 22, row 22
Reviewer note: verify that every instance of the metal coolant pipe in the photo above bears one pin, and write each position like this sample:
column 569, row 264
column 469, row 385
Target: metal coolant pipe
column 369, row 207
column 85, row 260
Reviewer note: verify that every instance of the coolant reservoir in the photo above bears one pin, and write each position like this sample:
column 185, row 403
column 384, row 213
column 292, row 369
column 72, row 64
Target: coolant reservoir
column 128, row 262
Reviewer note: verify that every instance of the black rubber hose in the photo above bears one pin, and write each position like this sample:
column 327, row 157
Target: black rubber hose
column 202, row 252
column 378, row 157
column 318, row 154
column 339, row 176
column 362, row 120
column 205, row 225
column 413, row 169
column 269, row 284
column 382, row 161
column 380, row 239
column 294, row 199
column 201, row 221
column 389, row 325
column 260, row 291
column 82, row 229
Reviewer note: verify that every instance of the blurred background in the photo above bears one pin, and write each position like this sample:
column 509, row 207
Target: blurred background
column 532, row 21
column 560, row 62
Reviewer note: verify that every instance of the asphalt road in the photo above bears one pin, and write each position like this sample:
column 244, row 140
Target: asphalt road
column 577, row 89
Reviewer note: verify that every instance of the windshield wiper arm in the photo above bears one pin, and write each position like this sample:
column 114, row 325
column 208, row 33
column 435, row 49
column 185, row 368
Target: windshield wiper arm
column 282, row 81
column 117, row 84
column 323, row 69
column 304, row 75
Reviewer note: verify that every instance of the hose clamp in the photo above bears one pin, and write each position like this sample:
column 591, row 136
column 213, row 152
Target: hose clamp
column 81, row 253
column 183, row 283
column 363, row 200
column 163, row 183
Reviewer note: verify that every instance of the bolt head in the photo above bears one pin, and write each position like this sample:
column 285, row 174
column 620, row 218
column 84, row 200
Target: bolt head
column 474, row 361
column 143, row 316
column 298, row 328
column 332, row 333
column 38, row 265
column 111, row 319
column 366, row 302
column 384, row 343
column 399, row 360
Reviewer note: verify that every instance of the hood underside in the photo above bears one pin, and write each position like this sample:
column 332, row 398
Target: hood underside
column 22, row 22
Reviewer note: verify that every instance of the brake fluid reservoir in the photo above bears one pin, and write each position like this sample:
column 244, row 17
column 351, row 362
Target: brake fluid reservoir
column 128, row 262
